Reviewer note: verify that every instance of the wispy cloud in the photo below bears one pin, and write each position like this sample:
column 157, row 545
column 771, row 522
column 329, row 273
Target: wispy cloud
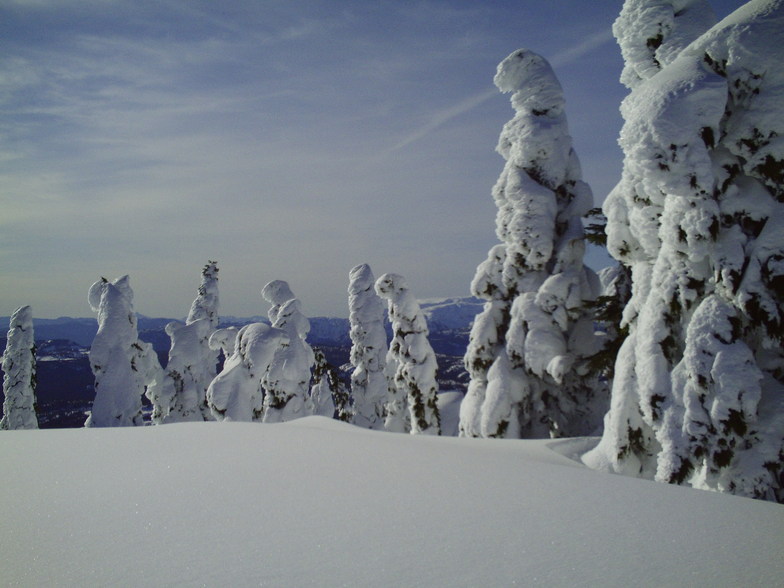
column 572, row 54
column 441, row 117
column 254, row 132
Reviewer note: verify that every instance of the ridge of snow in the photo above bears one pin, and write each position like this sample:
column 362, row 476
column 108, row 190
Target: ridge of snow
column 279, row 505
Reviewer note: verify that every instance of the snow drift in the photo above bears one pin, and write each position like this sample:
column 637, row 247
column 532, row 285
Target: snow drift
column 315, row 502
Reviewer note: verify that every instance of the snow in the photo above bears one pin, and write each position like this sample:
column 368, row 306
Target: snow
column 651, row 33
column 314, row 502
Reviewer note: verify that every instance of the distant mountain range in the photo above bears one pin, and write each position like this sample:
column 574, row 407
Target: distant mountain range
column 65, row 381
column 443, row 314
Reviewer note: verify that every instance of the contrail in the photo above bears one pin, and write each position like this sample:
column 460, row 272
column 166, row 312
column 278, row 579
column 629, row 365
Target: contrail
column 572, row 54
column 446, row 115
column 560, row 59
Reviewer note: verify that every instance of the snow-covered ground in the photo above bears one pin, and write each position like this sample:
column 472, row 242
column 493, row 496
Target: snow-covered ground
column 315, row 502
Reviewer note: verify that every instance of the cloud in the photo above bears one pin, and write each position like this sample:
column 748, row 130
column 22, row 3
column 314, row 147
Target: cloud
column 146, row 139
column 442, row 117
column 576, row 52
column 445, row 115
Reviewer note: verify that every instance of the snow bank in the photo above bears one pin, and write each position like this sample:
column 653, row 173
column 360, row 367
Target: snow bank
column 315, row 502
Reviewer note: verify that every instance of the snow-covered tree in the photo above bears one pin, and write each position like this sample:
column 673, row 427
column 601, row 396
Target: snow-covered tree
column 529, row 347
column 321, row 388
column 699, row 391
column 122, row 364
column 236, row 394
column 19, row 367
column 607, row 309
column 415, row 375
column 192, row 362
column 327, row 392
column 286, row 383
column 369, row 383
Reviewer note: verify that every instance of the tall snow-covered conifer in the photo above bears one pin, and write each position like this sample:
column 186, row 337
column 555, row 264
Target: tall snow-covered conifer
column 122, row 364
column 699, row 391
column 527, row 356
column 369, row 383
column 286, row 383
column 192, row 362
column 19, row 368
column 415, row 375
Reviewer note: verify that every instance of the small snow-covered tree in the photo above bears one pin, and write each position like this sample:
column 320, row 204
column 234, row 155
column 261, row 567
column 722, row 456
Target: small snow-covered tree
column 205, row 305
column 415, row 376
column 529, row 348
column 236, row 394
column 328, row 393
column 192, row 362
column 699, row 387
column 321, row 388
column 369, row 383
column 286, row 383
column 19, row 368
column 123, row 366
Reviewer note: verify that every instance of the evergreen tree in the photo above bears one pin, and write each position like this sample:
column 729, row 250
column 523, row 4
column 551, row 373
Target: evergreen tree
column 287, row 381
column 236, row 394
column 369, row 383
column 701, row 398
column 321, row 388
column 529, row 348
column 607, row 309
column 415, row 376
column 192, row 362
column 19, row 406
column 328, row 393
column 123, row 366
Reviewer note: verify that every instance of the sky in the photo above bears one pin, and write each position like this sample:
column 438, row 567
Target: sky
column 286, row 139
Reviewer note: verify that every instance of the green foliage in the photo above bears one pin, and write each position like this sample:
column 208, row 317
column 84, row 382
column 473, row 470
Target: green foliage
column 596, row 229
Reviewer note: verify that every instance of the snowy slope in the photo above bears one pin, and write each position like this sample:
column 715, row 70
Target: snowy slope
column 318, row 503
column 450, row 313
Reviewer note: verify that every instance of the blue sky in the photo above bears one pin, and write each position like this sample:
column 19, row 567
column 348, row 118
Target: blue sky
column 287, row 139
